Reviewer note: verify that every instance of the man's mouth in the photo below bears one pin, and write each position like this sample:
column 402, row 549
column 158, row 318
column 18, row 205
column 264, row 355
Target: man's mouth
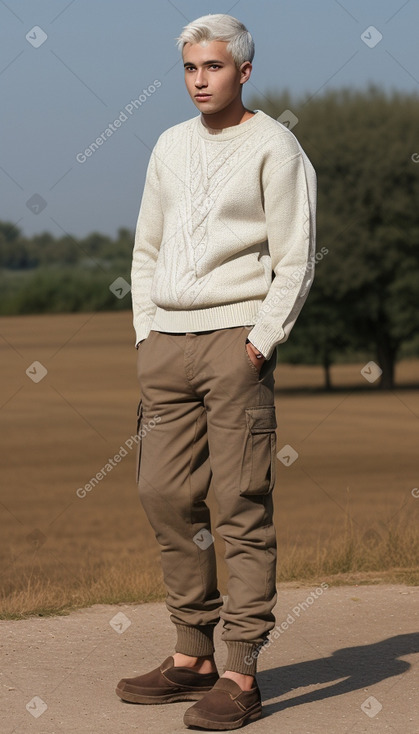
column 202, row 96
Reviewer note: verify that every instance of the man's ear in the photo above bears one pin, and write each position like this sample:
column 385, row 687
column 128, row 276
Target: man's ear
column 245, row 71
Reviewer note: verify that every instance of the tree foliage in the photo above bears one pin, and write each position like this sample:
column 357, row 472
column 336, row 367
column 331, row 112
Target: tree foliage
column 365, row 291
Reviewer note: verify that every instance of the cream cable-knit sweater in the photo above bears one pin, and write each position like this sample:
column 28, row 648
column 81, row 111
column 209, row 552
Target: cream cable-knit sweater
column 225, row 235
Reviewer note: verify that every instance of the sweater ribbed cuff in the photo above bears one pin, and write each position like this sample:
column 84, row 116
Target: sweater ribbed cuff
column 195, row 641
column 242, row 656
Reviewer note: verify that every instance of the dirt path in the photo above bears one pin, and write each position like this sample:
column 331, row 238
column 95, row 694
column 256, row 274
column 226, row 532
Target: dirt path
column 342, row 662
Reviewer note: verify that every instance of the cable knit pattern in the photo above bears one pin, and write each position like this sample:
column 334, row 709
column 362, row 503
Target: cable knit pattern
column 225, row 235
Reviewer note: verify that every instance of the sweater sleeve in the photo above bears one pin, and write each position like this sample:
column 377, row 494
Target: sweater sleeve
column 148, row 235
column 290, row 197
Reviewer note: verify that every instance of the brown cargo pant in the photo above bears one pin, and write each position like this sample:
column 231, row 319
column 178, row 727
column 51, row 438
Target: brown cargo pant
column 207, row 416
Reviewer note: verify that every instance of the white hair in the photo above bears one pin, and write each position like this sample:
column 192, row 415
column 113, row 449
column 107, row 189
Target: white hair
column 219, row 27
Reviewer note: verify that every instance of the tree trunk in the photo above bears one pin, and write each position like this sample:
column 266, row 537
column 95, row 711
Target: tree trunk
column 327, row 379
column 386, row 357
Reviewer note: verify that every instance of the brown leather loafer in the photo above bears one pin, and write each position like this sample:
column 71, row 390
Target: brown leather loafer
column 226, row 706
column 166, row 684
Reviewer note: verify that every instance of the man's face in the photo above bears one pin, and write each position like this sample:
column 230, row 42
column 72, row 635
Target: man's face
column 211, row 77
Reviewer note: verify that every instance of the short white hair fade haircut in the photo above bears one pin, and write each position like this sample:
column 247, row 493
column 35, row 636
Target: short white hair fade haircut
column 220, row 27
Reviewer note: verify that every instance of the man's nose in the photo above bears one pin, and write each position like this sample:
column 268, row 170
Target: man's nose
column 200, row 80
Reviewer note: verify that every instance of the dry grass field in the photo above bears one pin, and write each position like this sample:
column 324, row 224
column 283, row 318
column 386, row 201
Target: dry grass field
column 344, row 510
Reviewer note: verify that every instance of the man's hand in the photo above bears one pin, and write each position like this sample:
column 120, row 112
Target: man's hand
column 252, row 352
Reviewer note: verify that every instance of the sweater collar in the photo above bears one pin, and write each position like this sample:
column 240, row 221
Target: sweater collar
column 227, row 133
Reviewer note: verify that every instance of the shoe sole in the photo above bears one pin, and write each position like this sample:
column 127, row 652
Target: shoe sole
column 191, row 720
column 166, row 698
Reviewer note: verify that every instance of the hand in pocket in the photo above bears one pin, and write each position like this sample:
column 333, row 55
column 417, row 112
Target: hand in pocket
column 252, row 356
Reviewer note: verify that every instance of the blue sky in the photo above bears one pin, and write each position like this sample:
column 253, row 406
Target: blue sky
column 60, row 92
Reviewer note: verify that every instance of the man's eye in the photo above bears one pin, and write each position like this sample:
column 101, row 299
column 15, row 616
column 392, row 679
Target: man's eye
column 215, row 66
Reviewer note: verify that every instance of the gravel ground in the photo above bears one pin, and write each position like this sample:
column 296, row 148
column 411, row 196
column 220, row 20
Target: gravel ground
column 342, row 661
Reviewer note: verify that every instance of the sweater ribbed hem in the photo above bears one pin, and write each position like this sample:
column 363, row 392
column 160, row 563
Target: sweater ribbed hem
column 242, row 656
column 195, row 641
column 242, row 313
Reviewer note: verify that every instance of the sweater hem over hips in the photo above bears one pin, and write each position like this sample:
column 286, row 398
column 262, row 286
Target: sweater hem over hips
column 207, row 319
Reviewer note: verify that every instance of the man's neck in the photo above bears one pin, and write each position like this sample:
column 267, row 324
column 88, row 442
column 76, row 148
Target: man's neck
column 234, row 114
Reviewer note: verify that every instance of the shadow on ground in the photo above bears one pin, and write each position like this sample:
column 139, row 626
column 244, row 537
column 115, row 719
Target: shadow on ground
column 360, row 667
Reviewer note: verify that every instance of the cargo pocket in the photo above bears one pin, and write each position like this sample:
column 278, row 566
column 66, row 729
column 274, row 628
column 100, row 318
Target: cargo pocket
column 258, row 470
column 140, row 441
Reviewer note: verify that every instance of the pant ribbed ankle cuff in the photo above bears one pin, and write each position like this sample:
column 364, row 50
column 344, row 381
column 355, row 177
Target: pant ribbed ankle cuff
column 195, row 641
column 242, row 656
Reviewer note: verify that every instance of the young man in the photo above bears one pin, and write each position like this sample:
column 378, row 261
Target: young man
column 222, row 264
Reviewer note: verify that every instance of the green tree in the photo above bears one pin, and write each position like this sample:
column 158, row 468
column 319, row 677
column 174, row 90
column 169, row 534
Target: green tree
column 361, row 145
